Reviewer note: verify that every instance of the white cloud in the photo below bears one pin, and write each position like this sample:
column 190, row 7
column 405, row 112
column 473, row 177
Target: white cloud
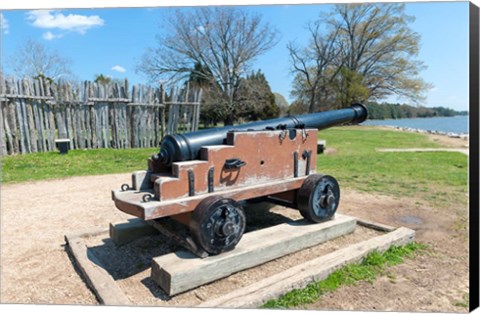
column 118, row 69
column 49, row 36
column 4, row 26
column 50, row 19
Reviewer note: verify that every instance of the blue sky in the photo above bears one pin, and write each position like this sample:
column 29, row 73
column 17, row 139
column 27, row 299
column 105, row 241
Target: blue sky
column 111, row 41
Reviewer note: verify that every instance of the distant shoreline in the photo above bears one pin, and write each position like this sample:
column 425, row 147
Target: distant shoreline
column 463, row 136
column 452, row 126
column 458, row 115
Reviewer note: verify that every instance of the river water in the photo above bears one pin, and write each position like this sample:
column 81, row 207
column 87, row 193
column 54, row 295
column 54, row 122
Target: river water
column 457, row 124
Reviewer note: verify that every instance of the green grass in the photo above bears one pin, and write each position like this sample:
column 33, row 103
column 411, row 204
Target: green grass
column 465, row 302
column 373, row 265
column 438, row 176
column 51, row 165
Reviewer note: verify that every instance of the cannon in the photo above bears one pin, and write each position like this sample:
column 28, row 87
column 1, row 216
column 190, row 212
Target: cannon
column 202, row 178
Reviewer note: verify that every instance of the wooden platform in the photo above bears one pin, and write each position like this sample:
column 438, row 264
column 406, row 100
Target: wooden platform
column 181, row 271
column 109, row 292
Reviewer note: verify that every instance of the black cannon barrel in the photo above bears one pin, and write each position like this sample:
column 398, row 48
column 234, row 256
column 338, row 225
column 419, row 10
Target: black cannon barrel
column 181, row 147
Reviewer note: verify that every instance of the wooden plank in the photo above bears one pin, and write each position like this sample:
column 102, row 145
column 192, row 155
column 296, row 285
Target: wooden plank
column 73, row 117
column 124, row 118
column 37, row 108
column 125, row 127
column 300, row 276
column 3, row 138
column 180, row 271
column 6, row 126
column 24, row 97
column 86, row 116
column 68, row 117
column 105, row 126
column 59, row 113
column 375, row 225
column 49, row 118
column 114, row 117
column 23, row 120
column 87, row 131
column 98, row 116
column 148, row 117
column 19, row 117
column 80, row 121
column 124, row 232
column 11, row 118
column 156, row 127
column 30, row 128
column 93, row 115
column 139, row 117
column 3, row 89
column 42, row 88
column 31, row 123
column 42, row 124
column 162, row 101
column 97, row 278
column 131, row 115
column 47, row 128
column 121, row 127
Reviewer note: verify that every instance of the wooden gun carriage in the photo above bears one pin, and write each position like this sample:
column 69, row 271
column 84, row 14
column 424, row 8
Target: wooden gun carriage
column 201, row 178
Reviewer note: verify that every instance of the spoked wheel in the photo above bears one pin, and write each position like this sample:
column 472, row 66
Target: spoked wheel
column 318, row 198
column 217, row 224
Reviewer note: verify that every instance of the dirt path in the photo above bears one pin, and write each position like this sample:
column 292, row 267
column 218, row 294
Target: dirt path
column 36, row 269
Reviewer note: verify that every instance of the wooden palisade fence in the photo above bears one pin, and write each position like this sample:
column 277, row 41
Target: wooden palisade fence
column 34, row 113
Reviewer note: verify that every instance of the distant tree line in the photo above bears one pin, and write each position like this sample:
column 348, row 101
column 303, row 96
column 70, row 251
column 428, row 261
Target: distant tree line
column 397, row 111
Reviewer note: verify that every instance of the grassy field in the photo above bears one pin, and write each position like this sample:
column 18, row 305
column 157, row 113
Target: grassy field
column 439, row 177
column 52, row 165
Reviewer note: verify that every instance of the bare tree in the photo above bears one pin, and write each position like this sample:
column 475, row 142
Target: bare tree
column 373, row 53
column 33, row 59
column 315, row 65
column 223, row 40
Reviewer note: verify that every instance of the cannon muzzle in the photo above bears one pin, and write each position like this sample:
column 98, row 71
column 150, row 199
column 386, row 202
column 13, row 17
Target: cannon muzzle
column 181, row 147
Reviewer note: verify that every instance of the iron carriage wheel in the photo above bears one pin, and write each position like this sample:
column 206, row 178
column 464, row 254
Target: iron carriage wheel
column 318, row 197
column 217, row 224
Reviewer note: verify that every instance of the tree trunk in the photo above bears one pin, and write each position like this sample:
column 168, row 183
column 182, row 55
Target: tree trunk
column 229, row 119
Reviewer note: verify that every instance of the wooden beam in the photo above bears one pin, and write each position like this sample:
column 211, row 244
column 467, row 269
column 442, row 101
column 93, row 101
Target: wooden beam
column 375, row 225
column 130, row 230
column 96, row 277
column 300, row 276
column 181, row 271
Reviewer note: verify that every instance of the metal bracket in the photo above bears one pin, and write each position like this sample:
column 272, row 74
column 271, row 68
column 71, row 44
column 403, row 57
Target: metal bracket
column 191, row 183
column 234, row 163
column 295, row 164
column 307, row 155
column 211, row 173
